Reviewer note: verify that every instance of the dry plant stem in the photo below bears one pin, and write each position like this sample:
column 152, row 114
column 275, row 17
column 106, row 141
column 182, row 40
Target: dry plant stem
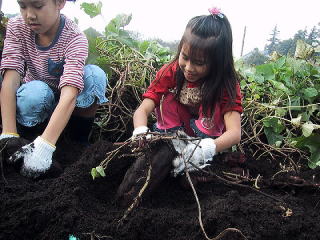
column 94, row 236
column 156, row 137
column 249, row 187
column 237, row 177
column 269, row 149
column 134, row 72
column 220, row 235
column 281, row 171
column 253, row 131
column 137, row 198
column 111, row 155
column 256, row 182
column 236, row 184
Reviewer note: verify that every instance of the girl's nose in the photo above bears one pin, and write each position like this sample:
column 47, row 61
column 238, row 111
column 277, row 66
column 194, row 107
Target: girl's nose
column 189, row 66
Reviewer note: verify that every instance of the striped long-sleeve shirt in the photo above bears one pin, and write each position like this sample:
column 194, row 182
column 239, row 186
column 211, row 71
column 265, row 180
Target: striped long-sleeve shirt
column 60, row 64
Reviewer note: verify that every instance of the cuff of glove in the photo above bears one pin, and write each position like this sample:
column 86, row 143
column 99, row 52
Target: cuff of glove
column 208, row 147
column 140, row 130
column 9, row 135
column 43, row 145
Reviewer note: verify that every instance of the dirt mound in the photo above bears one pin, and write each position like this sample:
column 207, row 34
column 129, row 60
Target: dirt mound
column 286, row 205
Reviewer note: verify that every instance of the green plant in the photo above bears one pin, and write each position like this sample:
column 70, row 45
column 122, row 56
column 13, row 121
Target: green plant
column 131, row 65
column 281, row 106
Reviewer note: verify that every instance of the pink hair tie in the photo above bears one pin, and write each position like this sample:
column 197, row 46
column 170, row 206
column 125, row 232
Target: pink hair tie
column 215, row 12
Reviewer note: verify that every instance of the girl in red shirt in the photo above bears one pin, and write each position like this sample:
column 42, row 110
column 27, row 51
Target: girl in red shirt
column 199, row 90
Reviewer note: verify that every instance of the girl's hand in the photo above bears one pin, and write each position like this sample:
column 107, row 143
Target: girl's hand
column 198, row 152
column 139, row 131
column 140, row 135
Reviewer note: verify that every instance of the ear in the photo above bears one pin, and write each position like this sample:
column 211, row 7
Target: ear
column 61, row 4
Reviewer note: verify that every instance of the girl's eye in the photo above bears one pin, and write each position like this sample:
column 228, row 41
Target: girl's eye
column 185, row 57
column 199, row 63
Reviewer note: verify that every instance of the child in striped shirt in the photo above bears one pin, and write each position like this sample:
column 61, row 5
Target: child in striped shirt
column 45, row 79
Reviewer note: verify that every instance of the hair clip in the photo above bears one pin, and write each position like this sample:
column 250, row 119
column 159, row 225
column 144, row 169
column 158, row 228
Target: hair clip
column 215, row 12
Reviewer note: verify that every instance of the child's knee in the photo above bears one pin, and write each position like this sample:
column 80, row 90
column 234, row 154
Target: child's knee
column 94, row 75
column 35, row 102
column 95, row 84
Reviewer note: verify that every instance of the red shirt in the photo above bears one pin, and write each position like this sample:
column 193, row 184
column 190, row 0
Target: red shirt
column 165, row 81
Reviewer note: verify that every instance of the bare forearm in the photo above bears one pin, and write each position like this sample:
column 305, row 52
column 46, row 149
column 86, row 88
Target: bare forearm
column 140, row 116
column 60, row 116
column 232, row 135
column 227, row 140
column 10, row 84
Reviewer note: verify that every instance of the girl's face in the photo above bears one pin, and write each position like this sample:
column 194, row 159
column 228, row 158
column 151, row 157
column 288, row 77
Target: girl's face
column 42, row 16
column 193, row 69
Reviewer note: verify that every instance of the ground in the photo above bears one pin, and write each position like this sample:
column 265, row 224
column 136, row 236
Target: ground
column 72, row 203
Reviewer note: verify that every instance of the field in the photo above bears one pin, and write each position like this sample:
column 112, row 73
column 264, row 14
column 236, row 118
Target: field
column 277, row 205
column 268, row 188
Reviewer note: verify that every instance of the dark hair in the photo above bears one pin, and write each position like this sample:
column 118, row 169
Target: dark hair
column 211, row 36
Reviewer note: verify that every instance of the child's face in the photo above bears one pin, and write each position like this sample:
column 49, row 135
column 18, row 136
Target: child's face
column 193, row 69
column 42, row 16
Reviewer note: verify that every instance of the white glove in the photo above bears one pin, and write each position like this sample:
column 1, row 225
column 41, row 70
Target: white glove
column 8, row 135
column 198, row 155
column 140, row 131
column 180, row 141
column 36, row 157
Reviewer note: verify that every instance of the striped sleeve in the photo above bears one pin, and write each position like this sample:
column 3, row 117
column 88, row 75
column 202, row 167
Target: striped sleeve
column 12, row 55
column 76, row 54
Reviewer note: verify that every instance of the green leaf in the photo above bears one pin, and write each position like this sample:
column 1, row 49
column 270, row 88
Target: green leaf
column 296, row 121
column 92, row 36
column 307, row 128
column 274, row 123
column 280, row 62
column 94, row 173
column 266, row 70
column 303, row 50
column 273, row 138
column 280, row 86
column 281, row 112
column 259, row 79
column 92, row 9
column 309, row 94
column 313, row 144
column 120, row 21
column 100, row 170
column 295, row 101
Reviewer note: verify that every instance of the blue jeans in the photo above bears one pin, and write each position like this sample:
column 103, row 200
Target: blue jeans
column 36, row 100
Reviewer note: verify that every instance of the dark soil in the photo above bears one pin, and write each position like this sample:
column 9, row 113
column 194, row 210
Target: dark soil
column 72, row 203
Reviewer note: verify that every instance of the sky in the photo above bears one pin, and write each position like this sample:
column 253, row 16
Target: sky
column 166, row 19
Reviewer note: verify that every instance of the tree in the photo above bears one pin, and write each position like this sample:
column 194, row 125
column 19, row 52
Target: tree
column 313, row 37
column 274, row 41
column 286, row 47
column 300, row 35
column 255, row 57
